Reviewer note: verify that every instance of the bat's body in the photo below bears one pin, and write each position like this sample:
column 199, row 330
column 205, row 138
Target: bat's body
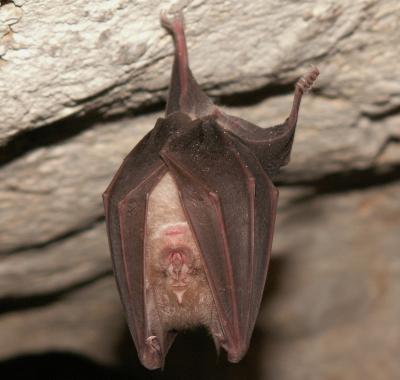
column 190, row 217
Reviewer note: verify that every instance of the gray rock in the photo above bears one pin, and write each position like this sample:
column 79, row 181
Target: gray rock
column 331, row 307
column 88, row 320
column 113, row 57
column 80, row 85
column 54, row 190
column 57, row 266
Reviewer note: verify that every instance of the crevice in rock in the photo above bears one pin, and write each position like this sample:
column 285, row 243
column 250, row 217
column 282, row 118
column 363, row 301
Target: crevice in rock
column 334, row 183
column 382, row 115
column 255, row 96
column 390, row 140
column 67, row 128
column 14, row 304
column 346, row 181
column 4, row 2
column 57, row 239
column 47, row 135
column 61, row 131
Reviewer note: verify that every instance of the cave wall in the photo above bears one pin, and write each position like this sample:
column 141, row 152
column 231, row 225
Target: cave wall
column 80, row 84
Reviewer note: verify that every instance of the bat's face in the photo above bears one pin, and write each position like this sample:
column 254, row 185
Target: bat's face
column 174, row 257
column 175, row 270
column 177, row 257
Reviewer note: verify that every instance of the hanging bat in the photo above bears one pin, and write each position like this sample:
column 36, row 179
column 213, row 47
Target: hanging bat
column 190, row 217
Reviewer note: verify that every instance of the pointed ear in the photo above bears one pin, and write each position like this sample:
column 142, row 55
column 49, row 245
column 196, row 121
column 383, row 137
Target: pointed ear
column 185, row 95
column 272, row 146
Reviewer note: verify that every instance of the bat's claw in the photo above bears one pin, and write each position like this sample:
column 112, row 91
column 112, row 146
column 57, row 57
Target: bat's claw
column 151, row 356
column 170, row 23
column 153, row 343
column 306, row 82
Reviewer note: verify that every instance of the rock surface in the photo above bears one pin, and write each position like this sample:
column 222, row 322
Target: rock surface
column 112, row 57
column 333, row 311
column 82, row 82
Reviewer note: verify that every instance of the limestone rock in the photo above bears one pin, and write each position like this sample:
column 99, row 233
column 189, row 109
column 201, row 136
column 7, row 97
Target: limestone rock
column 57, row 189
column 82, row 82
column 110, row 57
column 331, row 308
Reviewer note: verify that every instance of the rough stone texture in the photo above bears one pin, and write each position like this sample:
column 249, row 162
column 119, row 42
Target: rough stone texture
column 67, row 58
column 88, row 320
column 335, row 311
column 59, row 187
column 56, row 266
column 82, row 82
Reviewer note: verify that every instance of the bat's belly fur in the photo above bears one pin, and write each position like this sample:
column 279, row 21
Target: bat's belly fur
column 176, row 283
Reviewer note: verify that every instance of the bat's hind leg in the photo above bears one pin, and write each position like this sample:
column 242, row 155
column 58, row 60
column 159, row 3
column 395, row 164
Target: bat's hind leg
column 185, row 94
column 175, row 26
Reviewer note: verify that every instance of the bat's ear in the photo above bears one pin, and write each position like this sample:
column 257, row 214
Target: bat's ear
column 185, row 95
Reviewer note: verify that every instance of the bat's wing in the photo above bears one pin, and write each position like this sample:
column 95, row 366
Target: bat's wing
column 125, row 203
column 231, row 206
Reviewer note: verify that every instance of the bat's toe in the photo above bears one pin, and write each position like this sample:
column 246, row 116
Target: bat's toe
column 236, row 354
column 151, row 357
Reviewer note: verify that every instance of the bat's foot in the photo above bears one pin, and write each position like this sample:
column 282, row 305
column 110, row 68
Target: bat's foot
column 306, row 82
column 173, row 23
column 153, row 343
column 151, row 356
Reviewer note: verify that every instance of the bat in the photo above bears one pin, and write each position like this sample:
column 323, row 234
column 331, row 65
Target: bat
column 190, row 217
